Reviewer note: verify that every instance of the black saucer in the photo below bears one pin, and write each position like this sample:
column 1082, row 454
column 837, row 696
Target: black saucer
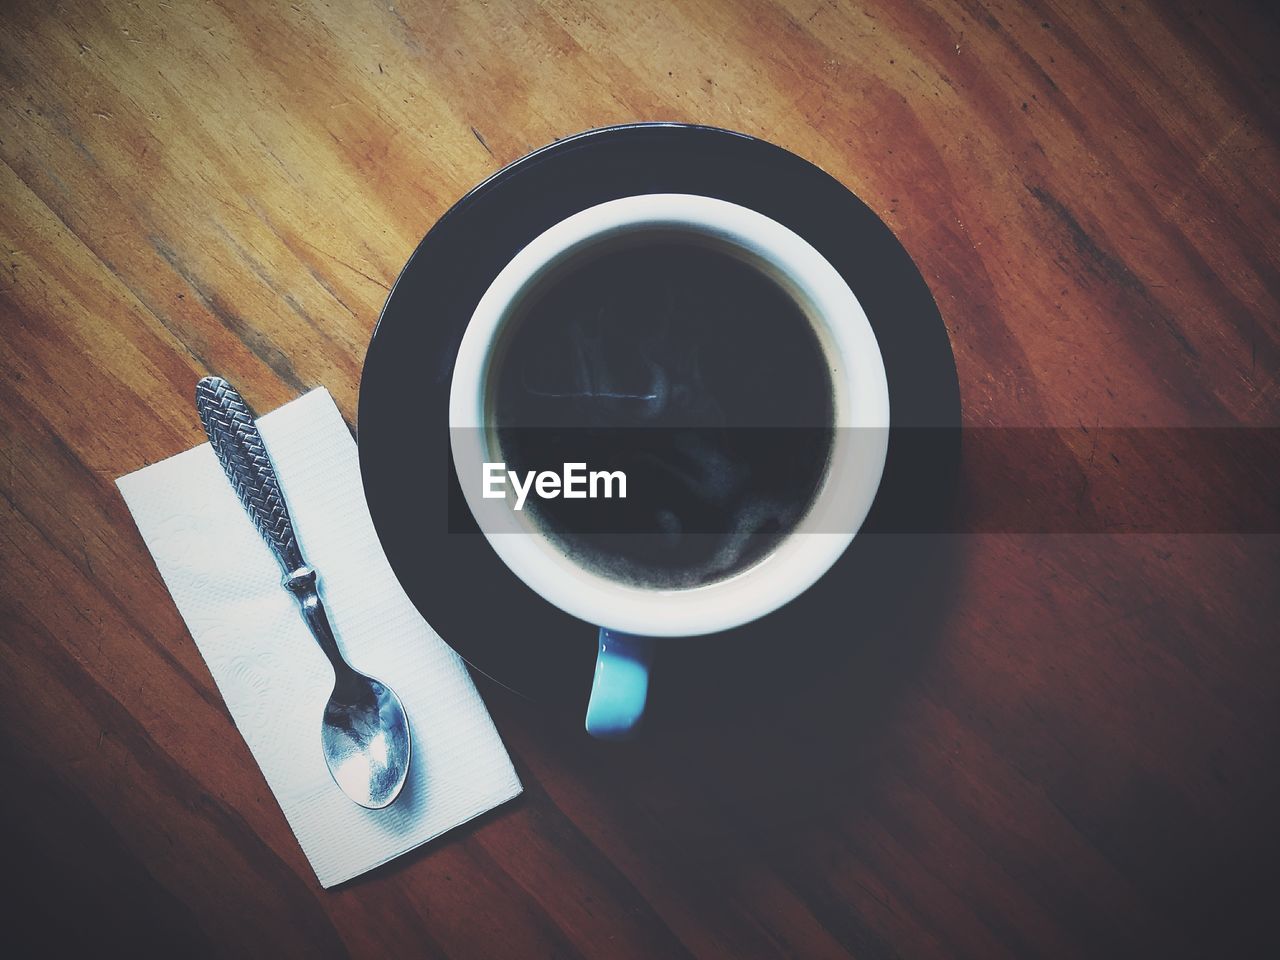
column 496, row 623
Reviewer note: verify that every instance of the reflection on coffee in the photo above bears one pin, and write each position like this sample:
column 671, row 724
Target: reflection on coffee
column 690, row 371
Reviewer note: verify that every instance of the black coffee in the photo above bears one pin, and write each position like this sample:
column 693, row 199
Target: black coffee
column 691, row 372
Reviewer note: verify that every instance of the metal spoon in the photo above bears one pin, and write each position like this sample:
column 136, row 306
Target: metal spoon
column 364, row 734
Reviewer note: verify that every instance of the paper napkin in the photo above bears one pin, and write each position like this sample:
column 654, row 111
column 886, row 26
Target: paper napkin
column 274, row 678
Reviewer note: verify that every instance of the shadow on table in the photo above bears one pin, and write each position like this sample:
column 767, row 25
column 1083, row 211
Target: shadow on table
column 799, row 706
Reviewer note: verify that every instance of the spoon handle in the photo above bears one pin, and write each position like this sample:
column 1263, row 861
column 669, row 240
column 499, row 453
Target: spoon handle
column 231, row 428
column 234, row 435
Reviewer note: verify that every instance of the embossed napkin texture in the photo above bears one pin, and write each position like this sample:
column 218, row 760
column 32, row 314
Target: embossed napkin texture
column 275, row 680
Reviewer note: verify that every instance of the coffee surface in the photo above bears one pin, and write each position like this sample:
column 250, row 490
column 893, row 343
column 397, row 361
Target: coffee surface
column 692, row 372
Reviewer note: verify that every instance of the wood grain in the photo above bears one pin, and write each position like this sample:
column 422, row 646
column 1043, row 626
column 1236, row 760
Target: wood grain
column 1064, row 747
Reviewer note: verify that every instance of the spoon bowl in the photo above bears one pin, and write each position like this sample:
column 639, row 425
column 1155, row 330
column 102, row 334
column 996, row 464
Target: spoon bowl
column 365, row 738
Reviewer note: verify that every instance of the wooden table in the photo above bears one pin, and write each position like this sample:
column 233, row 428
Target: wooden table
column 1066, row 746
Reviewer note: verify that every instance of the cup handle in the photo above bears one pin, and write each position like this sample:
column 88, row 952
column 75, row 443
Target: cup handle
column 621, row 685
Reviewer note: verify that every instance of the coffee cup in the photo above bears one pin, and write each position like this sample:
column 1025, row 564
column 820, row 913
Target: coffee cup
column 672, row 236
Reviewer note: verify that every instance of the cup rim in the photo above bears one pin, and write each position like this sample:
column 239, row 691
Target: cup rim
column 849, row 485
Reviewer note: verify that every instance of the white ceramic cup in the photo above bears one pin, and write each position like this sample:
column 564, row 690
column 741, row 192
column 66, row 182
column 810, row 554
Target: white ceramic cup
column 629, row 614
